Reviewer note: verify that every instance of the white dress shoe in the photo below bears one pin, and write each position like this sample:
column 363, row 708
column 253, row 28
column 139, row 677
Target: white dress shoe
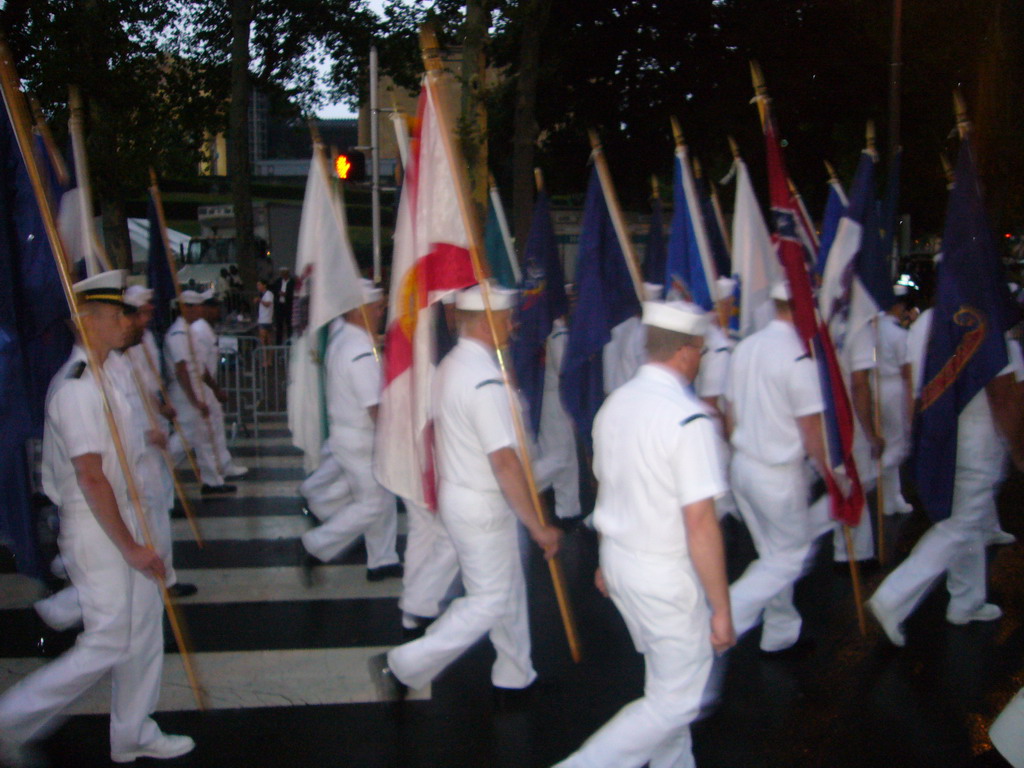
column 984, row 612
column 889, row 625
column 163, row 747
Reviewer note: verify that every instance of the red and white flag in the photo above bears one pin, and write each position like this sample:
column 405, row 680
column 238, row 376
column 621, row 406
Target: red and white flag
column 431, row 258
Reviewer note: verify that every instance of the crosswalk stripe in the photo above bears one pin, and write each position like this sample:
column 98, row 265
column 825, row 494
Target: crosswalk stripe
column 250, row 528
column 251, row 585
column 243, row 679
column 261, row 442
column 253, row 490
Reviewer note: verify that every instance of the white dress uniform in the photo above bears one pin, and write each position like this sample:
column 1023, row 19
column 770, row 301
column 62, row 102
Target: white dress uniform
column 892, row 356
column 956, row 545
column 710, row 385
column 356, row 504
column 121, row 607
column 208, row 351
column 772, row 382
column 858, row 354
column 473, row 419
column 198, row 434
column 63, row 609
column 654, row 453
column 557, row 462
column 431, row 565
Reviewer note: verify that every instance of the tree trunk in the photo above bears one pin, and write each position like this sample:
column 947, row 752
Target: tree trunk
column 473, row 124
column 238, row 141
column 524, row 136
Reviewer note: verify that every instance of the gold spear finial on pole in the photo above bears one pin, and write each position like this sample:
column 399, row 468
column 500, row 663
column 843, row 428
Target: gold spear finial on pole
column 963, row 122
column 947, row 170
column 761, row 97
column 698, row 169
column 734, row 148
column 655, row 187
column 869, row 138
column 677, row 132
column 831, row 171
column 538, row 179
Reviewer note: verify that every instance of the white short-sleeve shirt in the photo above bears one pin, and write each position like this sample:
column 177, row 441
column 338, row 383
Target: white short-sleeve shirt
column 177, row 350
column 353, row 377
column 654, row 453
column 772, row 382
column 472, row 416
column 265, row 313
column 207, row 349
column 892, row 347
column 75, row 425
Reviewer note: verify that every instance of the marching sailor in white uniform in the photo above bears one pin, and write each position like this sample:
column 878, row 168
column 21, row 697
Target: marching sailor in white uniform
column 662, row 558
column 482, row 491
column 345, row 495
column 99, row 540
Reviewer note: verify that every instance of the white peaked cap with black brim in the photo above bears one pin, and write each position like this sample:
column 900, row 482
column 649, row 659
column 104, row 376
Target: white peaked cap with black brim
column 472, row 299
column 678, row 316
column 192, row 298
column 106, row 287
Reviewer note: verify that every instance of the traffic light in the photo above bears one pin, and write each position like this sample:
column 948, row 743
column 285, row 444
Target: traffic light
column 350, row 165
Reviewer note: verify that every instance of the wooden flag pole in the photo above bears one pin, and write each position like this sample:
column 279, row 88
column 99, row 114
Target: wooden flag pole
column 155, row 425
column 17, row 111
column 56, row 160
column 75, row 125
column 763, row 101
column 615, row 211
column 963, row 121
column 947, row 170
column 433, row 66
column 711, row 277
column 830, row 171
column 172, row 264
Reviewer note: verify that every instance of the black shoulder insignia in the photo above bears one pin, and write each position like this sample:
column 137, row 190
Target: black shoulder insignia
column 556, row 334
column 485, row 382
column 688, row 419
column 804, row 356
column 76, row 370
column 360, row 357
column 703, row 351
column 723, row 349
column 175, row 333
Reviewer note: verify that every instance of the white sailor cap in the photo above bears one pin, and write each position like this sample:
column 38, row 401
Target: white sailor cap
column 192, row 297
column 678, row 316
column 107, row 287
column 780, row 291
column 138, row 295
column 653, row 291
column 726, row 287
column 371, row 292
column 899, row 290
column 472, row 299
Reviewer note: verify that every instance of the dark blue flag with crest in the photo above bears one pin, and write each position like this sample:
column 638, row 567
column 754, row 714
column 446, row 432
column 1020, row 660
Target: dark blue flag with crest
column 712, row 225
column 605, row 298
column 542, row 300
column 34, row 342
column 967, row 346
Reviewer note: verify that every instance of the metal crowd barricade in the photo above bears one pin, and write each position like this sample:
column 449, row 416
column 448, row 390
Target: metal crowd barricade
column 234, row 374
column 269, row 372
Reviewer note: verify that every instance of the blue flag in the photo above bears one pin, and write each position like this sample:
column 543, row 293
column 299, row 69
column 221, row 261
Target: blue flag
column 835, row 209
column 689, row 253
column 716, row 237
column 160, row 278
column 605, row 298
column 542, row 300
column 967, row 345
column 34, row 342
column 654, row 254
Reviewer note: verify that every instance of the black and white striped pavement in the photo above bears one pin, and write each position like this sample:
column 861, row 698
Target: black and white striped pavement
column 284, row 665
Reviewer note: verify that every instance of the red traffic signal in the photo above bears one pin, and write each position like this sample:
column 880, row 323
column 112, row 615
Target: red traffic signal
column 350, row 165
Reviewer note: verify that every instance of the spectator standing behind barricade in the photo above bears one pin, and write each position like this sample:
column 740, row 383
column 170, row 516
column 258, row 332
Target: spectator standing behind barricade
column 284, row 292
column 264, row 302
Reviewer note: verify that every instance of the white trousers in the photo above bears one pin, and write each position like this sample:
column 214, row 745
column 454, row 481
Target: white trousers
column 198, row 435
column 431, row 565
column 367, row 508
column 326, row 489
column 123, row 635
column 668, row 619
column 956, row 545
column 557, row 464
column 220, row 440
column 773, row 503
column 483, row 530
column 1007, row 732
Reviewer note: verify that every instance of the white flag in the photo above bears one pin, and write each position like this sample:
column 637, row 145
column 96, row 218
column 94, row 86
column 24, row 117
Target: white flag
column 754, row 262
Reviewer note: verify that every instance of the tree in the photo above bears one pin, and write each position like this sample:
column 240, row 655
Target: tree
column 311, row 50
column 144, row 108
